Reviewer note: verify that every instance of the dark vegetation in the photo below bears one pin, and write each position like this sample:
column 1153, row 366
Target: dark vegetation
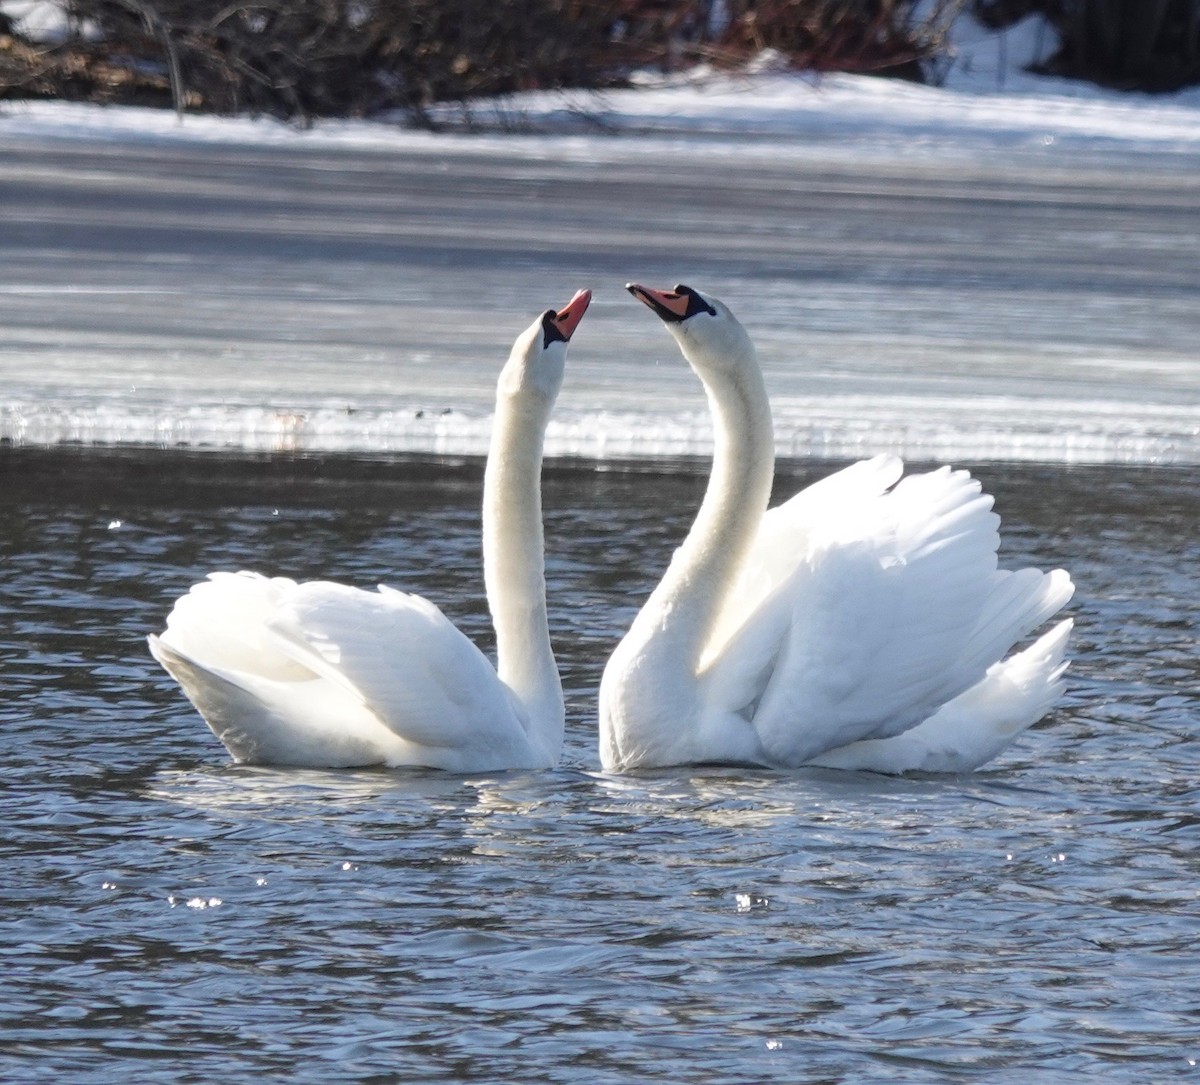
column 302, row 59
column 1150, row 45
column 308, row 58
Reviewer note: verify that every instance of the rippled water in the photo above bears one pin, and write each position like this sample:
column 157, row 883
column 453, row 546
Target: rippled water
column 170, row 917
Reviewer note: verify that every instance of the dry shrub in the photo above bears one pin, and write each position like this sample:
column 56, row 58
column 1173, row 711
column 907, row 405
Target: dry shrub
column 878, row 36
column 306, row 58
column 886, row 36
column 76, row 70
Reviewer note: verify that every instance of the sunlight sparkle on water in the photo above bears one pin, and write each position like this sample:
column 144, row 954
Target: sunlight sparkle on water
column 199, row 903
column 745, row 902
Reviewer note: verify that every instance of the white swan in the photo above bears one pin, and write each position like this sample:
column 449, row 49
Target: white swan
column 329, row 676
column 859, row 625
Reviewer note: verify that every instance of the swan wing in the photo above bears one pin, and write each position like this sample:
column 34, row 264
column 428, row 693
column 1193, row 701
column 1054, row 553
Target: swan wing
column 265, row 706
column 976, row 725
column 222, row 623
column 406, row 662
column 874, row 605
column 321, row 674
column 786, row 538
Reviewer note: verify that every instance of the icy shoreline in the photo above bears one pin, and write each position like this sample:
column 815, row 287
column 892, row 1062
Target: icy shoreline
column 845, row 427
column 854, row 114
column 858, row 124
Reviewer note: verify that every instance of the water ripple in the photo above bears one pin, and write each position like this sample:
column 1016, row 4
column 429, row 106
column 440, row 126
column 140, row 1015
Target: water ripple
column 171, row 917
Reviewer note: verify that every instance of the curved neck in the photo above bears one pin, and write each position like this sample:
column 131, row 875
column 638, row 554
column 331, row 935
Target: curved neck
column 514, row 567
column 681, row 614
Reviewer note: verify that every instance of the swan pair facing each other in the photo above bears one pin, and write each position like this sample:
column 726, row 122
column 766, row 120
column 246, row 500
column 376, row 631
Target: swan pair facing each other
column 863, row 624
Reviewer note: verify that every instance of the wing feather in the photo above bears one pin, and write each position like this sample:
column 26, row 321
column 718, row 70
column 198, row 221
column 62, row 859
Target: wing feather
column 974, row 727
column 222, row 621
column 401, row 656
column 867, row 604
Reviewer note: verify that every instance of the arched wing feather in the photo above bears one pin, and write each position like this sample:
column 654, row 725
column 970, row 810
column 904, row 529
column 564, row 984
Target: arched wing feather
column 866, row 608
column 975, row 726
column 404, row 659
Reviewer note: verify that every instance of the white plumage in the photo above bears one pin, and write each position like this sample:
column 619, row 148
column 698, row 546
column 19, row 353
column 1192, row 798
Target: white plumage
column 861, row 624
column 324, row 675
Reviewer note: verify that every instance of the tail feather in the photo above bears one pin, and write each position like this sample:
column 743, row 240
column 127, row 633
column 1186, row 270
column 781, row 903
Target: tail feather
column 223, row 622
column 977, row 725
column 1018, row 604
column 221, row 701
column 265, row 721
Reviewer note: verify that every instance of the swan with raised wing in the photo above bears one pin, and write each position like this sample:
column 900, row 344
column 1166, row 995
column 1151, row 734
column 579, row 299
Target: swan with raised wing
column 863, row 624
column 323, row 675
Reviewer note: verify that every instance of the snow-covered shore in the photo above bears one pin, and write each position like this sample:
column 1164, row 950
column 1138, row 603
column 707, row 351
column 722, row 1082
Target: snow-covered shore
column 987, row 100
column 1082, row 368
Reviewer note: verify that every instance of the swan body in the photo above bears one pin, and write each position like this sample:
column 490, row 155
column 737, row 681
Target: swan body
column 323, row 675
column 863, row 624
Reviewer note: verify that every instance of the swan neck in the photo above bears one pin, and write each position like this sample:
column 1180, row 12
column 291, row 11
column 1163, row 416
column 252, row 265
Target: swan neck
column 514, row 566
column 704, row 570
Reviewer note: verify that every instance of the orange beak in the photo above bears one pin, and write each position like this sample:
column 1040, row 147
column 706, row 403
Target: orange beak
column 568, row 317
column 666, row 303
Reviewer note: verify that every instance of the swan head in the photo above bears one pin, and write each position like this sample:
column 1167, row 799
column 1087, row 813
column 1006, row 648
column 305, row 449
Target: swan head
column 708, row 334
column 535, row 366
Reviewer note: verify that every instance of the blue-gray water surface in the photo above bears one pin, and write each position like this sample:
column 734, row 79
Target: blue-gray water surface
column 168, row 916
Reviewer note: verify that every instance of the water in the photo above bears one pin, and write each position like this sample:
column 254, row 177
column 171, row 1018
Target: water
column 170, row 917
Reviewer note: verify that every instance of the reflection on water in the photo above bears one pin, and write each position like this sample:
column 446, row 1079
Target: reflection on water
column 168, row 916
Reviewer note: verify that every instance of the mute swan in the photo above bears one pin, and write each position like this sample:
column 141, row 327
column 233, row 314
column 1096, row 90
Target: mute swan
column 327, row 676
column 859, row 625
